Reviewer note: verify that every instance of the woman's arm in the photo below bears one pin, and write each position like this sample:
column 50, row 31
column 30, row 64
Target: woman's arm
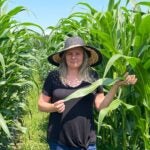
column 44, row 104
column 102, row 101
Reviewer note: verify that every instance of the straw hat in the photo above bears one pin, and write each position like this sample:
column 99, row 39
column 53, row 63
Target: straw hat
column 95, row 57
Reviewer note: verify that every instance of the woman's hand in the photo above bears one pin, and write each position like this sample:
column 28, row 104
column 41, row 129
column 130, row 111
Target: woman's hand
column 129, row 79
column 59, row 106
column 102, row 101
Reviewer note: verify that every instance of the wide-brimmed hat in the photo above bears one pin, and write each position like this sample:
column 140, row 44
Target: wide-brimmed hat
column 95, row 57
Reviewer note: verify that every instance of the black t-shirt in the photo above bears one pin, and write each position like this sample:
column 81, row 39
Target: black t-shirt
column 75, row 126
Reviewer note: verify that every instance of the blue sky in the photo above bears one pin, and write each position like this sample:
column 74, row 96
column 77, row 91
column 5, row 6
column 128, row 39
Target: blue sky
column 48, row 12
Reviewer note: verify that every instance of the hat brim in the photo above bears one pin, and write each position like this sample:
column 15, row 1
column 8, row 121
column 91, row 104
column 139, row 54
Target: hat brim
column 95, row 57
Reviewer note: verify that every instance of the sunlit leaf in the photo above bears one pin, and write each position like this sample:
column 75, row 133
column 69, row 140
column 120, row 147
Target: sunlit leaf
column 144, row 26
column 3, row 125
column 114, row 105
column 2, row 63
column 86, row 90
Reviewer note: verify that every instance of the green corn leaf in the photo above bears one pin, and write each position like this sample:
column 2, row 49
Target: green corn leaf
column 4, row 126
column 22, row 83
column 86, row 90
column 144, row 3
column 111, row 62
column 16, row 10
column 2, row 63
column 20, row 127
column 147, row 64
column 114, row 105
column 34, row 25
column 133, row 61
column 88, row 6
column 137, row 20
column 116, row 5
column 137, row 41
column 144, row 49
column 2, row 2
column 110, row 5
column 3, row 82
column 144, row 26
column 29, row 56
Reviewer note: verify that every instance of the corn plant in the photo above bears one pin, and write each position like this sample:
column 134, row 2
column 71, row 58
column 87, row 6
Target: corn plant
column 18, row 61
column 123, row 37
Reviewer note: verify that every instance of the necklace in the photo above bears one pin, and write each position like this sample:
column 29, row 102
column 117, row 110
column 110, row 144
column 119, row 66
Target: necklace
column 73, row 82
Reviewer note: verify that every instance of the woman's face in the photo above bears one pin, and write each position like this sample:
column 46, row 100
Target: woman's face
column 74, row 57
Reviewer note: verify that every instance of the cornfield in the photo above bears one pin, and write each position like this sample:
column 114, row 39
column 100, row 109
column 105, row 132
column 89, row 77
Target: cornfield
column 123, row 37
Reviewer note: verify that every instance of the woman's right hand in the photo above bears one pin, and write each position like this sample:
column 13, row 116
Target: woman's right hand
column 59, row 106
column 129, row 80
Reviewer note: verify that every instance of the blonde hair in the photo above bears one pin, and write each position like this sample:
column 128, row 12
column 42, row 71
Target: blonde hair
column 84, row 71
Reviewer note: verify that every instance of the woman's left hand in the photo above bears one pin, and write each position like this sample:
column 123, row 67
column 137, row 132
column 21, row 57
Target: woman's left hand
column 129, row 80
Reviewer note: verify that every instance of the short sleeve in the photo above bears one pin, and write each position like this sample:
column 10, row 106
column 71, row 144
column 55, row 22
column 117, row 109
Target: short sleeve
column 96, row 77
column 47, row 86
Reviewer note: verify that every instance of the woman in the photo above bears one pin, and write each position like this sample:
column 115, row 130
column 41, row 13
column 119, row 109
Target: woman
column 71, row 123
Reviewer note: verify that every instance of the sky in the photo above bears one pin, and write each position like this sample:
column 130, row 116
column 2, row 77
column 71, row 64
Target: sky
column 48, row 12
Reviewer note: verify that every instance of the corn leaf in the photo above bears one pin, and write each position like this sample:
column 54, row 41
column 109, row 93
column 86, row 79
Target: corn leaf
column 114, row 105
column 32, row 24
column 3, row 82
column 20, row 127
column 4, row 126
column 2, row 2
column 144, row 26
column 16, row 10
column 2, row 63
column 110, row 5
column 144, row 3
column 86, row 90
column 132, row 61
column 111, row 62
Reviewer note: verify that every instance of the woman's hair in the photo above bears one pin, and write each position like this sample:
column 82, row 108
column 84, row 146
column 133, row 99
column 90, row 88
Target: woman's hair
column 84, row 71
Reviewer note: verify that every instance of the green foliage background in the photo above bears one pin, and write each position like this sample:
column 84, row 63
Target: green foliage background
column 121, row 35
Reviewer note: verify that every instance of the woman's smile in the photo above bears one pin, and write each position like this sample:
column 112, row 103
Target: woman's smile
column 74, row 57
